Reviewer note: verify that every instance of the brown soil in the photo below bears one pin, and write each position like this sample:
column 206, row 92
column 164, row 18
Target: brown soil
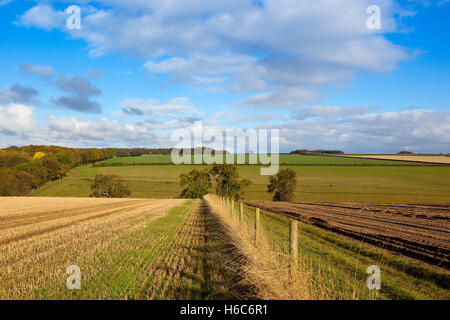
column 420, row 231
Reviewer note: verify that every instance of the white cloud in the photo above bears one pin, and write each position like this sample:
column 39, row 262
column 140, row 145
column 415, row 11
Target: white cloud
column 330, row 111
column 415, row 130
column 152, row 108
column 101, row 130
column 354, row 131
column 16, row 119
column 284, row 97
column 241, row 46
column 42, row 16
column 282, row 54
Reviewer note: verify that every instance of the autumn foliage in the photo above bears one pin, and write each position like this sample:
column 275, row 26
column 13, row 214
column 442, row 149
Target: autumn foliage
column 23, row 169
column 196, row 184
column 282, row 185
column 110, row 186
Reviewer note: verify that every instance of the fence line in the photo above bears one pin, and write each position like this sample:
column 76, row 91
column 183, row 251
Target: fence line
column 228, row 206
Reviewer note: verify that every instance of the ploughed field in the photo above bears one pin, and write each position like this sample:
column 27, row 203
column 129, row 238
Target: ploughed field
column 420, row 231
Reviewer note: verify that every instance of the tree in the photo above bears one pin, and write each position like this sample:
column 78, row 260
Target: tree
column 283, row 185
column 38, row 155
column 38, row 172
column 11, row 158
column 110, row 186
column 55, row 170
column 228, row 182
column 196, row 183
column 14, row 183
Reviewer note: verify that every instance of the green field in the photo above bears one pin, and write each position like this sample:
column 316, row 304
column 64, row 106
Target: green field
column 284, row 159
column 314, row 183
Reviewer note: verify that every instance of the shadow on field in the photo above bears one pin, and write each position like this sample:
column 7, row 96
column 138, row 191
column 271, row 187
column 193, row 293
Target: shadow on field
column 213, row 263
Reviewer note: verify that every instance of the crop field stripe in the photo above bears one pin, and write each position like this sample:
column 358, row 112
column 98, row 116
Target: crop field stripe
column 285, row 159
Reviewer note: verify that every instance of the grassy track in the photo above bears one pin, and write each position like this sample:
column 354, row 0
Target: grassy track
column 339, row 264
column 314, row 183
column 283, row 158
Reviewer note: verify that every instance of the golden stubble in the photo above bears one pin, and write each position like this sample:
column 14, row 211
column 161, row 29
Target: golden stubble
column 40, row 237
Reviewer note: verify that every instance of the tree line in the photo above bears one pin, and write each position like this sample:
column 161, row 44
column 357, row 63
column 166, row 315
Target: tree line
column 197, row 183
column 136, row 152
column 23, row 169
column 316, row 152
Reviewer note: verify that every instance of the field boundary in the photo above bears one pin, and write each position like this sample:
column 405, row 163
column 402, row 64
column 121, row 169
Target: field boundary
column 138, row 164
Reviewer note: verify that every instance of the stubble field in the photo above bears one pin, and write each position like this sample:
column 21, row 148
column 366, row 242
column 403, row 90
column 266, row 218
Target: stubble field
column 125, row 249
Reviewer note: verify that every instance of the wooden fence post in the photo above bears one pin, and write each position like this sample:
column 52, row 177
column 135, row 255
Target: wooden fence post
column 241, row 212
column 293, row 243
column 257, row 214
column 232, row 208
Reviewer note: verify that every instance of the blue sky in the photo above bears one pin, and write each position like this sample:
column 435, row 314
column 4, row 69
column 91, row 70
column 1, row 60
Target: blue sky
column 137, row 70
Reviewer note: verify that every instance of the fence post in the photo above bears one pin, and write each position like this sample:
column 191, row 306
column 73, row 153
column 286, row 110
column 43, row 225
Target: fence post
column 241, row 211
column 293, row 243
column 232, row 208
column 257, row 214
